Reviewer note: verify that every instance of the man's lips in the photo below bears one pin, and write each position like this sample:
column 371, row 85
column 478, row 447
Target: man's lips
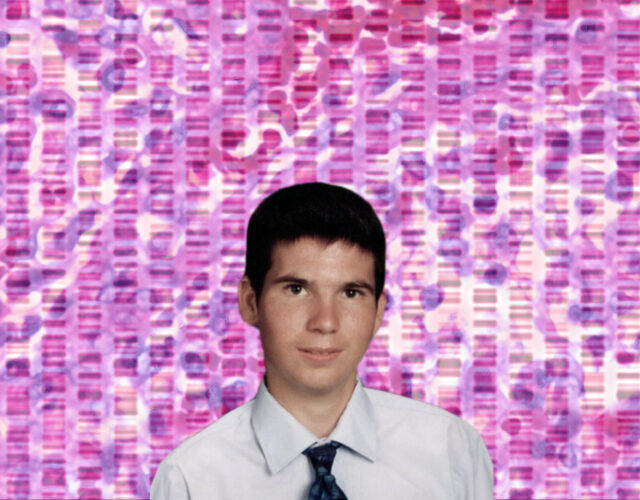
column 319, row 354
column 319, row 350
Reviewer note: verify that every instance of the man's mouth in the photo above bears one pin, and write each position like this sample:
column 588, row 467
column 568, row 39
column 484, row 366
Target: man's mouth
column 318, row 350
column 319, row 354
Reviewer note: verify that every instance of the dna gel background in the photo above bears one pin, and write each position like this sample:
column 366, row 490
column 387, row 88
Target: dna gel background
column 498, row 140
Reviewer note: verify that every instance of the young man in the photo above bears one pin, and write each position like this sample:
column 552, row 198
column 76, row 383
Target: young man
column 313, row 287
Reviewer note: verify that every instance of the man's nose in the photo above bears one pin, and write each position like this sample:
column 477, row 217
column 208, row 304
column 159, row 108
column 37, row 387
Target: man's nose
column 324, row 316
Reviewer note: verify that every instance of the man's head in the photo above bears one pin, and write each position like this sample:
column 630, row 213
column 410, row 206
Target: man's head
column 319, row 211
column 313, row 287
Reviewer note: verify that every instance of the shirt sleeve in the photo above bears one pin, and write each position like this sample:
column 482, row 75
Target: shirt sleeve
column 169, row 483
column 471, row 466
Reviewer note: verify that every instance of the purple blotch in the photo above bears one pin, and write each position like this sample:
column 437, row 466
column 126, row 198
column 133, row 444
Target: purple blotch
column 116, row 10
column 578, row 313
column 110, row 160
column 220, row 319
column 554, row 171
column 466, row 267
column 453, row 249
column 551, row 75
column 433, row 196
column 123, row 281
column 27, row 74
column 59, row 106
column 511, row 426
column 233, row 395
column 596, row 345
column 150, row 138
column 108, row 462
column 219, row 323
column 164, row 350
column 520, row 494
column 214, row 396
column 161, row 93
column 634, row 263
column 201, row 281
column 66, row 37
column 542, row 378
column 182, row 24
column 17, row 367
column 380, row 83
column 7, row 115
column 199, row 10
column 194, row 362
column 585, row 205
column 390, row 300
column 624, row 358
column 179, row 130
column 636, row 343
column 330, row 100
column 431, row 297
column 619, row 186
column 467, row 88
column 414, row 167
column 587, row 32
column 5, row 38
column 3, row 328
column 158, row 424
column 31, row 324
column 130, row 176
column 455, row 336
column 125, row 315
column 133, row 108
column 107, row 37
column 485, row 204
column 495, row 274
column 543, row 449
column 574, row 423
column 568, row 457
column 526, row 397
column 505, row 121
column 112, row 78
column 502, row 235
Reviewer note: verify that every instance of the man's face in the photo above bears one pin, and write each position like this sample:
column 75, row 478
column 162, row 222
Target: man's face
column 316, row 315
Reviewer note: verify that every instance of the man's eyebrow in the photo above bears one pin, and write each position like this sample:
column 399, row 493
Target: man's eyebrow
column 290, row 278
column 360, row 284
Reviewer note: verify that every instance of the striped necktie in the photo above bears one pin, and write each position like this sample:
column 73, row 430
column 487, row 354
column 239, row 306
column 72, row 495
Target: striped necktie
column 324, row 486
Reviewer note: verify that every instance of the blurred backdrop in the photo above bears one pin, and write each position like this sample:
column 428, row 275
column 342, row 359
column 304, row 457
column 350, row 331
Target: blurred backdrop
column 499, row 141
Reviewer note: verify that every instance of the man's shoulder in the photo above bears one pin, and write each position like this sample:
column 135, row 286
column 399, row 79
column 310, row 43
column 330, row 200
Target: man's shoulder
column 410, row 412
column 226, row 430
column 393, row 401
column 411, row 423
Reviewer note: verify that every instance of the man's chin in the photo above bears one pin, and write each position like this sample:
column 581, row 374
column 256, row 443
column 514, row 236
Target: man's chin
column 327, row 386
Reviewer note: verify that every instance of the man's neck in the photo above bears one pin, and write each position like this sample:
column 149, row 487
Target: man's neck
column 318, row 412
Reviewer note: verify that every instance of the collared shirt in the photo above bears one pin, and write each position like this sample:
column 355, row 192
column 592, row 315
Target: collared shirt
column 392, row 447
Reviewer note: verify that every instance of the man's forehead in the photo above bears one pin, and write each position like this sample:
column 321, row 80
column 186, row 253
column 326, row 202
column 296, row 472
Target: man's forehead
column 286, row 259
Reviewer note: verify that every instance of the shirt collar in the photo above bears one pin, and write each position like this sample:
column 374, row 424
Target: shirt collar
column 282, row 438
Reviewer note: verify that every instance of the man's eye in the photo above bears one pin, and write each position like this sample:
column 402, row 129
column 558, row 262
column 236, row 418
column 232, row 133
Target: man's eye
column 352, row 293
column 295, row 289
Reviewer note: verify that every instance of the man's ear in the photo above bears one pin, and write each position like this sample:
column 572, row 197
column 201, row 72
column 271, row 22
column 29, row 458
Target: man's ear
column 382, row 304
column 247, row 302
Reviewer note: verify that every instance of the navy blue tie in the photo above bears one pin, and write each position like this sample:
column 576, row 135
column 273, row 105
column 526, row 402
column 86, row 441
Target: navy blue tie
column 324, row 486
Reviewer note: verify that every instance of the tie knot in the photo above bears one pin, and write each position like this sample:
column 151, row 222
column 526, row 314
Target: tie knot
column 322, row 457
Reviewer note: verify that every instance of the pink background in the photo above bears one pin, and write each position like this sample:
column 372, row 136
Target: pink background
column 498, row 141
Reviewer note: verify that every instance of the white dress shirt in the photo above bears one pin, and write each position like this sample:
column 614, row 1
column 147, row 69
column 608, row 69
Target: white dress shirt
column 392, row 448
